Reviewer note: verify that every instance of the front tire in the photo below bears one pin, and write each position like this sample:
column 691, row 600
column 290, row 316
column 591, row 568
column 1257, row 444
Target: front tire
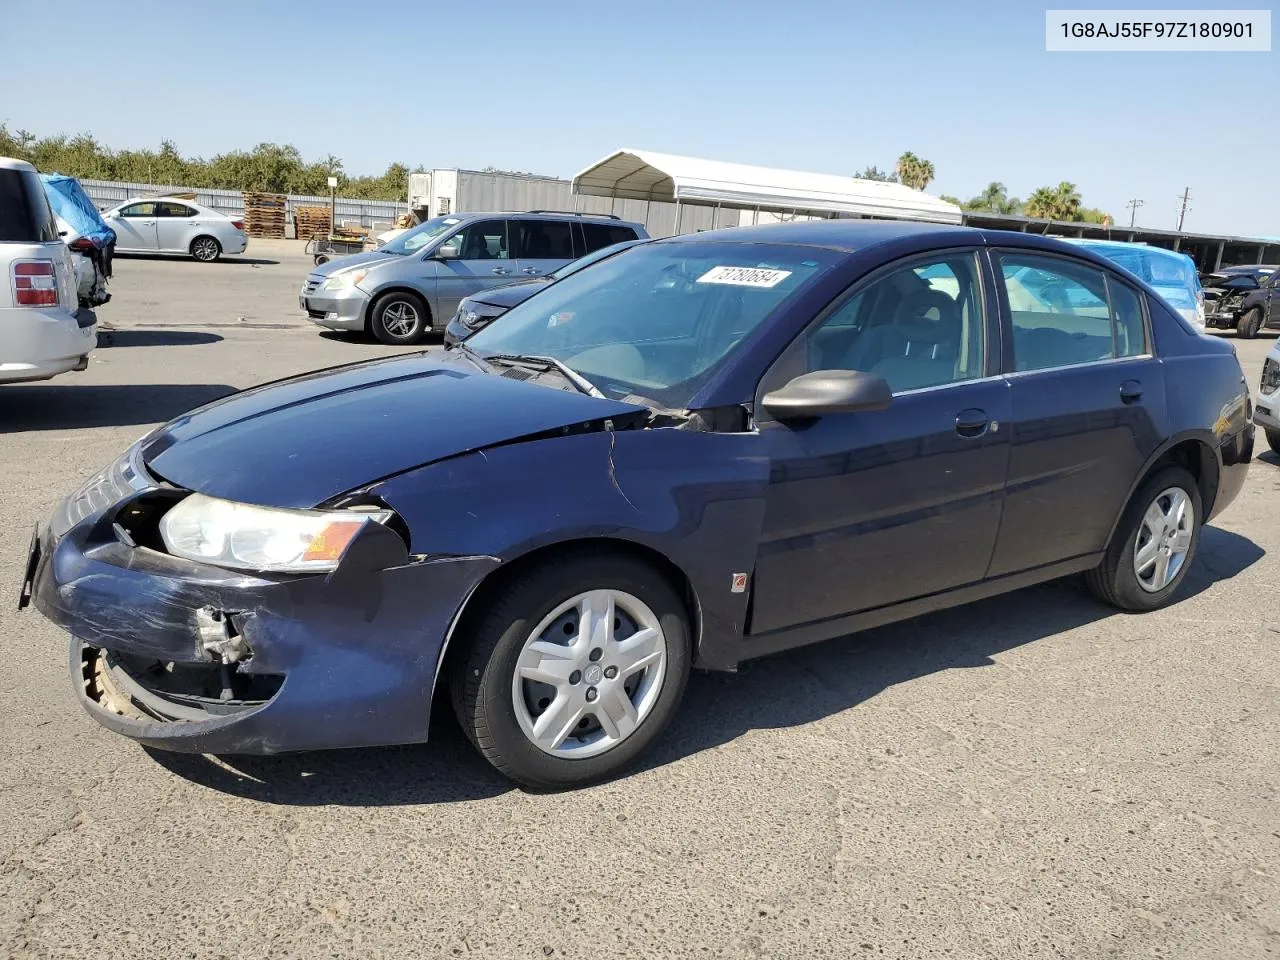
column 1249, row 324
column 1154, row 544
column 574, row 670
column 1273, row 440
column 206, row 249
column 400, row 318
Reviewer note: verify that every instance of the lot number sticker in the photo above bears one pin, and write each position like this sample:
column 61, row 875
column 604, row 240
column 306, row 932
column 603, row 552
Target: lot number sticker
column 745, row 276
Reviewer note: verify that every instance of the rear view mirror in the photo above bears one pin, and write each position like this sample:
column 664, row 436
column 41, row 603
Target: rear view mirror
column 446, row 251
column 828, row 391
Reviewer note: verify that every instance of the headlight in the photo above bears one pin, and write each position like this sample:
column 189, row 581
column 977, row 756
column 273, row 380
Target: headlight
column 265, row 539
column 348, row 278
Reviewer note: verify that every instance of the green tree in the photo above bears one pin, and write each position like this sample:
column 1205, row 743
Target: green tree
column 875, row 173
column 996, row 199
column 913, row 171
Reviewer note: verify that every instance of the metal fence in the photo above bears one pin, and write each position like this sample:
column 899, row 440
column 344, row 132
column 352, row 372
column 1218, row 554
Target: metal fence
column 374, row 214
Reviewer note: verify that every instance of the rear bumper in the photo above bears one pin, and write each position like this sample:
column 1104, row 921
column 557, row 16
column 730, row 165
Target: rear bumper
column 236, row 244
column 38, row 344
column 349, row 660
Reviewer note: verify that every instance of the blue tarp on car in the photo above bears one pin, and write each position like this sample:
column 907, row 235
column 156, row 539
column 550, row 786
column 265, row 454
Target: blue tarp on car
column 72, row 204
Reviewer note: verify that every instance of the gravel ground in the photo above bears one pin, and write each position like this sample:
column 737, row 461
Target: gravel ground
column 1030, row 776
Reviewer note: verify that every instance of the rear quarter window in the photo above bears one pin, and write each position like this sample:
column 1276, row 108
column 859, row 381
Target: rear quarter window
column 600, row 235
column 25, row 215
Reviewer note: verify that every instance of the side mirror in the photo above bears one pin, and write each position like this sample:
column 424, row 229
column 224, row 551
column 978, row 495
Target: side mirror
column 828, row 391
column 446, row 251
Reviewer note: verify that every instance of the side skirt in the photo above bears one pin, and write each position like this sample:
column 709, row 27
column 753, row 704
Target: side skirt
column 760, row 645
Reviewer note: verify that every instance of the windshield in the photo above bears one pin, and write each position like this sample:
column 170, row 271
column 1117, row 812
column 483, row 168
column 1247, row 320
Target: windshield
column 656, row 321
column 414, row 240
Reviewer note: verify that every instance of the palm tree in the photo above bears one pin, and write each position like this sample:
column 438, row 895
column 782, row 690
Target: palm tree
column 1040, row 203
column 996, row 199
column 1066, row 202
column 914, row 172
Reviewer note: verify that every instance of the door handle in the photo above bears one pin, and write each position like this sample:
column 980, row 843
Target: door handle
column 972, row 422
column 1130, row 391
column 501, row 270
column 532, row 271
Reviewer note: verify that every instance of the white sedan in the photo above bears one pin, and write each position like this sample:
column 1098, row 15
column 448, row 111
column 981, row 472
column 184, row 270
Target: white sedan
column 175, row 226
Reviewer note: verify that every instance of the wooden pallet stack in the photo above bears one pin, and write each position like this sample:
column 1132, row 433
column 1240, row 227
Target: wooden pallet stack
column 311, row 222
column 264, row 215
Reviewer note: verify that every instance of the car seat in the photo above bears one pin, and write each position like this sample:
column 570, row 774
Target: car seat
column 915, row 350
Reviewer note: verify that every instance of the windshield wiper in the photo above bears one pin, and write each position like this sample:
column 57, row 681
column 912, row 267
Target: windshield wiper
column 547, row 363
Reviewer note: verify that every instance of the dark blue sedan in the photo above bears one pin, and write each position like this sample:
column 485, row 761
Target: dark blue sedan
column 701, row 450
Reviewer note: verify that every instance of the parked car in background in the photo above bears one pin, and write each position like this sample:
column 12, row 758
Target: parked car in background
column 413, row 284
column 706, row 449
column 83, row 230
column 1266, row 412
column 1171, row 274
column 43, row 330
column 1244, row 298
column 481, row 309
column 165, row 225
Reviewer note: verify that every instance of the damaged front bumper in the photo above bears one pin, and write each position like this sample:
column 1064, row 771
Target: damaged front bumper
column 183, row 656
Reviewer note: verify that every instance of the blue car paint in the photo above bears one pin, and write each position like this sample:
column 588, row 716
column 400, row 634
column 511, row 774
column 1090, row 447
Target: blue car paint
column 820, row 515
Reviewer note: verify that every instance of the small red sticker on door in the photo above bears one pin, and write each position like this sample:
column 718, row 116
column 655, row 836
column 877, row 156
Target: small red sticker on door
column 739, row 583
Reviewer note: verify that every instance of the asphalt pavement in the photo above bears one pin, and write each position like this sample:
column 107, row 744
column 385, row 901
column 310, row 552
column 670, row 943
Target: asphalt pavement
column 1030, row 776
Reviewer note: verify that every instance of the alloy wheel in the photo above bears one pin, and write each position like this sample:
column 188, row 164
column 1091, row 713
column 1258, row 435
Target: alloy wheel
column 589, row 674
column 400, row 319
column 1164, row 537
column 205, row 248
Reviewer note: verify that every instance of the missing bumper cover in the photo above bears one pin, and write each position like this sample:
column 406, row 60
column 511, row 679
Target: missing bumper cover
column 148, row 689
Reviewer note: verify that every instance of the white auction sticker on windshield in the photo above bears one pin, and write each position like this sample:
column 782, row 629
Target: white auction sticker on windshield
column 745, row 276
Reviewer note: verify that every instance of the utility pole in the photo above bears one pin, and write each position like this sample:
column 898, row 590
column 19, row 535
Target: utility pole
column 1182, row 210
column 1133, row 206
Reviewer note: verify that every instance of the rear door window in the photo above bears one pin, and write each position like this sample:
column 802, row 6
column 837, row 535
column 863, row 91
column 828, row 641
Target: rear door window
column 1065, row 313
column 543, row 239
column 599, row 235
column 25, row 215
column 170, row 209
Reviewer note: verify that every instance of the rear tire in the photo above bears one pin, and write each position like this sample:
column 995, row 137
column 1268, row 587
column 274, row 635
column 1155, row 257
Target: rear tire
column 1249, row 323
column 1273, row 440
column 206, row 249
column 499, row 708
column 400, row 318
column 1116, row 579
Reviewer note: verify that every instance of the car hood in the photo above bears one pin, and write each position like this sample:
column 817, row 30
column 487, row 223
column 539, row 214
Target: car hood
column 300, row 442
column 368, row 259
column 509, row 296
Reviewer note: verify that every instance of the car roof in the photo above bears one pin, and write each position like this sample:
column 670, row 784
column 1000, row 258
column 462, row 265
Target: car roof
column 1123, row 247
column 601, row 218
column 13, row 163
column 842, row 235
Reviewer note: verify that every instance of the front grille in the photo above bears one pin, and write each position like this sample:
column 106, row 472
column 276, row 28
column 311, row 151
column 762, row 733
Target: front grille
column 110, row 485
column 1270, row 376
column 312, row 285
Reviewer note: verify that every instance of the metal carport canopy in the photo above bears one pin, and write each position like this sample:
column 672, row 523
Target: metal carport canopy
column 645, row 175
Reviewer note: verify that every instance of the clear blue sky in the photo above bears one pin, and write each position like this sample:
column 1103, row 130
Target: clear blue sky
column 825, row 86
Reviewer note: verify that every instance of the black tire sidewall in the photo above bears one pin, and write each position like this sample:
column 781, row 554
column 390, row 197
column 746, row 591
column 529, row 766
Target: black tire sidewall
column 1249, row 323
column 1273, row 440
column 379, row 327
column 1128, row 591
column 501, row 637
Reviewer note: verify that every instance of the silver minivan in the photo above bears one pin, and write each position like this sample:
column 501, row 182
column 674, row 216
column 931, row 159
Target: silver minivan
column 413, row 284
